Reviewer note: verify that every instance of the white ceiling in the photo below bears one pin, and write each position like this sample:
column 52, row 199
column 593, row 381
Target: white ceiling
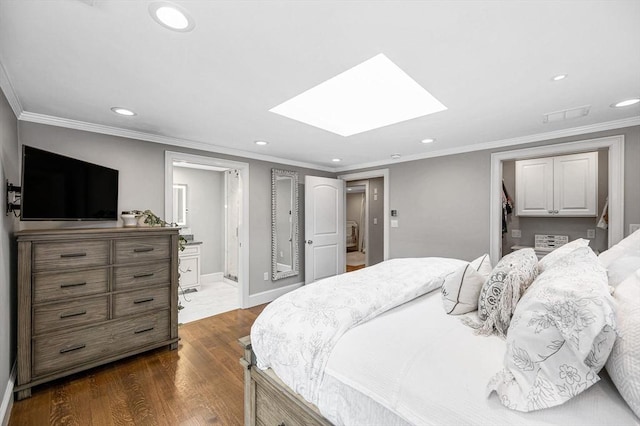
column 68, row 62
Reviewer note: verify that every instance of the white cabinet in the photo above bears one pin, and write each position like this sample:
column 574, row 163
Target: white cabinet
column 189, row 267
column 557, row 186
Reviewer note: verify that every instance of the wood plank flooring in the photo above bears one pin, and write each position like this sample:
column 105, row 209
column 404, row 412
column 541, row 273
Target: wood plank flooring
column 201, row 383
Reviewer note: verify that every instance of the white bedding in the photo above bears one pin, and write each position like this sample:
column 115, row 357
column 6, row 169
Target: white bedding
column 296, row 333
column 417, row 365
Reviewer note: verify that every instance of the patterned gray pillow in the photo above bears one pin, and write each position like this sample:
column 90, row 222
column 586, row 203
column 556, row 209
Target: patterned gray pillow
column 507, row 282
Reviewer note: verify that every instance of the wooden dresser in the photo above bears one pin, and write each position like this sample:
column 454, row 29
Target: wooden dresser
column 87, row 297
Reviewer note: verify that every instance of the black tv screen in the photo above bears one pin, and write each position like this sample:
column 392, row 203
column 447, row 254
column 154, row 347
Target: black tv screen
column 55, row 187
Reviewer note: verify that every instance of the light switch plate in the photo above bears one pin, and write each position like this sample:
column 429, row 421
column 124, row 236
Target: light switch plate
column 394, row 223
column 591, row 233
column 266, row 276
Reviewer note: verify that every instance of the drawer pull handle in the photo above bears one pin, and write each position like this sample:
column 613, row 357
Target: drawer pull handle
column 72, row 285
column 73, row 348
column 142, row 250
column 148, row 299
column 73, row 314
column 73, row 255
column 150, row 274
column 144, row 330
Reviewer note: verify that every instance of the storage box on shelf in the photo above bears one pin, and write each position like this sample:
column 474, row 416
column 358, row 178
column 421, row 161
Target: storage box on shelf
column 87, row 297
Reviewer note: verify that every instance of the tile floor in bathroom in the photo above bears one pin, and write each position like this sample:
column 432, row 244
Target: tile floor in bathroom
column 211, row 299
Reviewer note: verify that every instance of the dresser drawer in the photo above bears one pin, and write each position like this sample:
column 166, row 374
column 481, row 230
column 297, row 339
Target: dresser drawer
column 140, row 249
column 75, row 254
column 133, row 277
column 63, row 285
column 142, row 331
column 139, row 301
column 69, row 314
column 52, row 353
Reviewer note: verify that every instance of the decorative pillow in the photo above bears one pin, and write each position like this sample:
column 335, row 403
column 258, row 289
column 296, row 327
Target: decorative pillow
column 500, row 293
column 561, row 251
column 461, row 288
column 622, row 267
column 629, row 245
column 560, row 336
column 624, row 362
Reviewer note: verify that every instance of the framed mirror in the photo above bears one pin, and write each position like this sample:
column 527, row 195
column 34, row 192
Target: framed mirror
column 284, row 224
column 180, row 204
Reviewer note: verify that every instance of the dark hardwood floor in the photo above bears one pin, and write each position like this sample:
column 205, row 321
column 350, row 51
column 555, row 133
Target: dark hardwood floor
column 201, row 383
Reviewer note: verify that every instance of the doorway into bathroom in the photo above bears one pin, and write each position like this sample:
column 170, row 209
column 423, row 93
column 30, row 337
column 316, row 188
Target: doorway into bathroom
column 205, row 196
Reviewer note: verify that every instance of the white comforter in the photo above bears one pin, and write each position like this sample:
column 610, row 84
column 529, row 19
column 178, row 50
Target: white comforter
column 295, row 334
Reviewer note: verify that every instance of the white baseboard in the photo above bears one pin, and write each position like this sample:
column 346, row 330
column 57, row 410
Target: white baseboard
column 7, row 399
column 215, row 277
column 230, row 282
column 270, row 295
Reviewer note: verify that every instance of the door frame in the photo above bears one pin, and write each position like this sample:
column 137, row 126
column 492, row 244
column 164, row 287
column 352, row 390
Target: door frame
column 243, row 231
column 383, row 173
column 364, row 183
column 615, row 145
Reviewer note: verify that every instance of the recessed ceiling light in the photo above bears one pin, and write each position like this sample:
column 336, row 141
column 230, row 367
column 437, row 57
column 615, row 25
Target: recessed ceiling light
column 395, row 156
column 427, row 140
column 123, row 111
column 625, row 103
column 336, row 160
column 171, row 16
column 560, row 77
column 261, row 143
column 371, row 95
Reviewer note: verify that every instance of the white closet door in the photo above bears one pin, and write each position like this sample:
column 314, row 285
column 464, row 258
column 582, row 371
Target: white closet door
column 576, row 184
column 534, row 187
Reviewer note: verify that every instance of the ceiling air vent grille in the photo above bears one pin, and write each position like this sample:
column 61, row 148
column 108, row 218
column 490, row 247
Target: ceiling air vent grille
column 566, row 114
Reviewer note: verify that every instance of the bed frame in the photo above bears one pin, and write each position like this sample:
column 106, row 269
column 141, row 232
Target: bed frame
column 268, row 401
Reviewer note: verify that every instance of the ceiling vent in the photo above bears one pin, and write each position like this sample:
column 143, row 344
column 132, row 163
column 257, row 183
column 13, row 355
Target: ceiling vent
column 566, row 114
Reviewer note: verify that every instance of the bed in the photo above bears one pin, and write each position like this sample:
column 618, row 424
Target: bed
column 402, row 362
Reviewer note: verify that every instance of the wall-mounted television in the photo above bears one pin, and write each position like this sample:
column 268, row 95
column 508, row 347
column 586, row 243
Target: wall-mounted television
column 55, row 187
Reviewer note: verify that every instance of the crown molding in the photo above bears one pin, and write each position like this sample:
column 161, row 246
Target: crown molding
column 538, row 137
column 165, row 140
column 9, row 92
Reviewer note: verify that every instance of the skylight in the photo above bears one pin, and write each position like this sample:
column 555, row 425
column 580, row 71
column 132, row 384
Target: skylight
column 371, row 95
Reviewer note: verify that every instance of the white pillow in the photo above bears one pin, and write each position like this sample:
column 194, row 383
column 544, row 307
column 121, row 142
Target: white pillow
column 560, row 336
column 499, row 295
column 630, row 245
column 622, row 267
column 624, row 362
column 561, row 251
column 461, row 288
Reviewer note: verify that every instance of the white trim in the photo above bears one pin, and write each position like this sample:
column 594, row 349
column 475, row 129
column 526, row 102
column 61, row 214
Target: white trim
column 9, row 92
column 166, row 140
column 539, row 137
column 214, row 277
column 7, row 399
column 384, row 173
column 230, row 282
column 271, row 295
column 243, row 229
column 615, row 144
column 185, row 143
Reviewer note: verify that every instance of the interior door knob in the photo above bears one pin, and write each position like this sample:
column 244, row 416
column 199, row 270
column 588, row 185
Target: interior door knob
column 309, row 242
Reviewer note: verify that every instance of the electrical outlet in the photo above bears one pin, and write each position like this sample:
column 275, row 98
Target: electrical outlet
column 516, row 233
column 375, row 220
column 633, row 227
column 591, row 233
column 394, row 223
column 266, row 276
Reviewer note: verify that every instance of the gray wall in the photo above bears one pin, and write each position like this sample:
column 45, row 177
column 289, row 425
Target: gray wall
column 443, row 202
column 205, row 216
column 141, row 166
column 375, row 245
column 573, row 227
column 8, row 171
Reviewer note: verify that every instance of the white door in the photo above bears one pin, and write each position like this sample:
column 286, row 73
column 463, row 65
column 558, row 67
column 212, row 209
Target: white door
column 324, row 227
column 576, row 184
column 534, row 187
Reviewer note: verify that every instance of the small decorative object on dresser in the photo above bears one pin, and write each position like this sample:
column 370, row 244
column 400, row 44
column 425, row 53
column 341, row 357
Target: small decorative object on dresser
column 87, row 297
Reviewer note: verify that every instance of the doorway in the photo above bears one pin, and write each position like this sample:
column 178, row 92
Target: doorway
column 214, row 265
column 615, row 147
column 357, row 220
